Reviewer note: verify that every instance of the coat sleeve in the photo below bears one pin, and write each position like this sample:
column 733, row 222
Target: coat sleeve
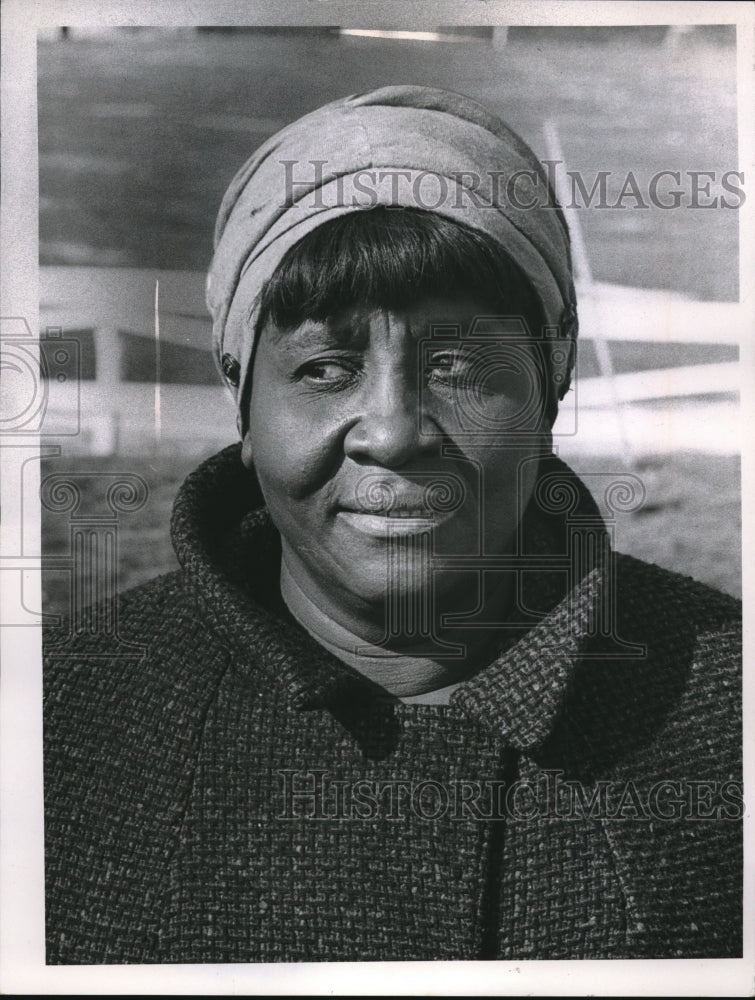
column 661, row 734
column 122, row 731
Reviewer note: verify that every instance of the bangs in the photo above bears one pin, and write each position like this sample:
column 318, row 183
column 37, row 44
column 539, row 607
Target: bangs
column 391, row 258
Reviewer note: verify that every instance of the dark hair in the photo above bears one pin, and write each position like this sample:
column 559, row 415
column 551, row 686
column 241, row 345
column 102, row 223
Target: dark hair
column 390, row 258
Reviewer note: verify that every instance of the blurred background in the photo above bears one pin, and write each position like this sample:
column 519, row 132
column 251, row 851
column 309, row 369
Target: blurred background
column 141, row 130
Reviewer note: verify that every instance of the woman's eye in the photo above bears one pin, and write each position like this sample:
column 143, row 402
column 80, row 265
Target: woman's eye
column 487, row 374
column 446, row 362
column 449, row 368
column 327, row 372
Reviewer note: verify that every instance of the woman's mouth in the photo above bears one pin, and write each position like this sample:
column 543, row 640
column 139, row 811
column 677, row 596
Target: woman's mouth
column 394, row 523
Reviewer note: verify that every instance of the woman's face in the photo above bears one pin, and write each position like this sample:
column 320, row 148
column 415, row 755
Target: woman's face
column 382, row 440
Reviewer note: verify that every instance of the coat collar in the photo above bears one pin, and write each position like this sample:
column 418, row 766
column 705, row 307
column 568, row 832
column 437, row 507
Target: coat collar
column 230, row 551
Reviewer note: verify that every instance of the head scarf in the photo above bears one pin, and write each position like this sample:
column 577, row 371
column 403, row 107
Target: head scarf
column 410, row 147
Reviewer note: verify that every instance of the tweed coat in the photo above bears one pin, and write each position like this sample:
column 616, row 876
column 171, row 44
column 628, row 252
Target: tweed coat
column 219, row 788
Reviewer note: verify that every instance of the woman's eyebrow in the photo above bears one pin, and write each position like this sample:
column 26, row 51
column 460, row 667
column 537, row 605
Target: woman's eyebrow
column 352, row 332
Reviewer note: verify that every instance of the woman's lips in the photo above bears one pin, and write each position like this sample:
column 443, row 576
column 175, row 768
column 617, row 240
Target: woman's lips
column 393, row 523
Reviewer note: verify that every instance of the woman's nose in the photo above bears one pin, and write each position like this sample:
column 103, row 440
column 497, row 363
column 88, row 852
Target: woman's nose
column 387, row 431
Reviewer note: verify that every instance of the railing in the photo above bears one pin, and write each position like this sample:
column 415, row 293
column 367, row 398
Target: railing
column 667, row 408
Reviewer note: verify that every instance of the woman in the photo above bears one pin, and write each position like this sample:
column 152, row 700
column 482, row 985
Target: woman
column 401, row 701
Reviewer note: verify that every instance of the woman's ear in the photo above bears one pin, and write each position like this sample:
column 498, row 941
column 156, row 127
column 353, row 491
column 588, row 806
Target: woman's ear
column 247, row 456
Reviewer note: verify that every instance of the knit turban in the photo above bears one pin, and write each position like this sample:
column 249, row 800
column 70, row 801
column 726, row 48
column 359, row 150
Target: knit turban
column 410, row 147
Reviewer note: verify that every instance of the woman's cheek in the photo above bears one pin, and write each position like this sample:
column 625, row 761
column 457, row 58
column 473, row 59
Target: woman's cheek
column 296, row 454
column 510, row 473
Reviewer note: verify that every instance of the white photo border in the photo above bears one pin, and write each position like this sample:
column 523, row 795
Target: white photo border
column 22, row 967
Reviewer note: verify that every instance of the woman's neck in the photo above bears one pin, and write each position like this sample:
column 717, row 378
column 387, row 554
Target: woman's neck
column 401, row 663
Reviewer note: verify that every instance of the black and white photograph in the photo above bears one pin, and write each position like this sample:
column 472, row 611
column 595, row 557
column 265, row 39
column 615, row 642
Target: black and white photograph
column 377, row 383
